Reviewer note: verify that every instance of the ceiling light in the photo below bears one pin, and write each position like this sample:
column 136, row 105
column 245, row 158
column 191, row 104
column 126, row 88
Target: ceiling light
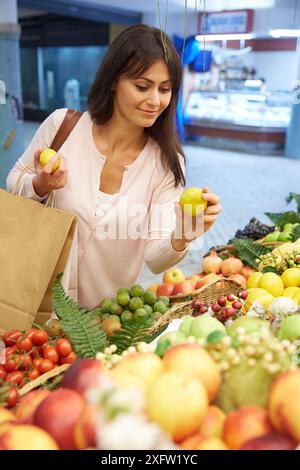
column 224, row 37
column 287, row 33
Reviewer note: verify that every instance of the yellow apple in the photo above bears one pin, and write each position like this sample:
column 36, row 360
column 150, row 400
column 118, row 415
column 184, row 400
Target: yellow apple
column 173, row 276
column 195, row 362
column 192, row 201
column 137, row 369
column 178, row 403
column 46, row 156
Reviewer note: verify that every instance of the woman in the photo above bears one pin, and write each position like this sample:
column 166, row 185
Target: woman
column 121, row 169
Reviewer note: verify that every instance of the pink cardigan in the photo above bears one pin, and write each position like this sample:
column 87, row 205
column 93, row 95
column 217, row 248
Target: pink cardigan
column 101, row 264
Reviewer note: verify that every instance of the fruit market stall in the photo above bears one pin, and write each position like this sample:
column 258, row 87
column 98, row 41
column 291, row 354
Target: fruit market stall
column 223, row 341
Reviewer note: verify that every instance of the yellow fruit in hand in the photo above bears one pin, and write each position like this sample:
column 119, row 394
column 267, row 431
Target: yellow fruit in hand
column 192, row 201
column 46, row 156
column 253, row 280
column 291, row 277
column 272, row 283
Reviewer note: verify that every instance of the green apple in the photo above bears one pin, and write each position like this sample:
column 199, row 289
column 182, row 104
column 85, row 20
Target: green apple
column 251, row 325
column 148, row 309
column 126, row 315
column 164, row 299
column 175, row 337
column 140, row 313
column 290, row 328
column 185, row 325
column 204, row 325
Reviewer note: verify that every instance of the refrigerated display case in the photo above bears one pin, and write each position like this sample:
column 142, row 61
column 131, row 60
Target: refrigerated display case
column 257, row 120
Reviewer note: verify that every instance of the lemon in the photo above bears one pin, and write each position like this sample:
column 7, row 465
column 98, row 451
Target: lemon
column 291, row 277
column 192, row 201
column 253, row 280
column 272, row 283
column 291, row 292
column 263, row 296
column 46, row 156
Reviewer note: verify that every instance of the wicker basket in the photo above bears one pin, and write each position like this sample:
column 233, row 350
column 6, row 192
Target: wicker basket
column 36, row 383
column 208, row 294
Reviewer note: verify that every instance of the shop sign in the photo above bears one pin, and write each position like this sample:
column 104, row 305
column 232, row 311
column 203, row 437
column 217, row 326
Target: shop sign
column 227, row 22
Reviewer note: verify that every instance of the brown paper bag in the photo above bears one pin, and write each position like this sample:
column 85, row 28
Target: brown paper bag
column 35, row 242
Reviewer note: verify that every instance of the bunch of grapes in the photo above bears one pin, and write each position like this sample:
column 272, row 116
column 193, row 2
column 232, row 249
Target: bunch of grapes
column 254, row 230
column 280, row 263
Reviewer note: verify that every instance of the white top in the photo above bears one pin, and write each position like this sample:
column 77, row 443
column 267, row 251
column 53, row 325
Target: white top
column 104, row 264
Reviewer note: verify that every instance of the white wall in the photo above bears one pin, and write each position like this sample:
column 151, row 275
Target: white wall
column 8, row 11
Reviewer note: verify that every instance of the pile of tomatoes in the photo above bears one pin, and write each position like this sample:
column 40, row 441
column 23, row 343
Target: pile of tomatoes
column 27, row 356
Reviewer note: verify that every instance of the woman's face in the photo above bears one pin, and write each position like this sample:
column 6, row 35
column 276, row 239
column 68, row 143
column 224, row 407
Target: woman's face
column 141, row 100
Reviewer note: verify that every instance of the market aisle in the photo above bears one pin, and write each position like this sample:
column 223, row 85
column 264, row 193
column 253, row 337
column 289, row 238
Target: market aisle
column 248, row 185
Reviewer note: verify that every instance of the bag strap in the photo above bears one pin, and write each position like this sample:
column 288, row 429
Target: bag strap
column 70, row 120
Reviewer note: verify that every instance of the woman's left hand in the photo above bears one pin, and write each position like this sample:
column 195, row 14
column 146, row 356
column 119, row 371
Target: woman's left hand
column 188, row 228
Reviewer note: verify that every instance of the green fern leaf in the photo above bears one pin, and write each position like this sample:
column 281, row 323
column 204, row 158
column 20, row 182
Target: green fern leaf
column 132, row 332
column 80, row 326
column 248, row 251
column 283, row 218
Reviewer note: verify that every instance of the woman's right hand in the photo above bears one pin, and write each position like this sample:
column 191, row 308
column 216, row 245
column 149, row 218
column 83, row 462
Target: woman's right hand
column 45, row 181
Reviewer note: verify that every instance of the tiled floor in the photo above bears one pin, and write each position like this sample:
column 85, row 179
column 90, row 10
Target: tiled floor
column 248, row 185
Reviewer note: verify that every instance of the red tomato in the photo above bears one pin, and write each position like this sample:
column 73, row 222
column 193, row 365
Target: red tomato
column 12, row 397
column 12, row 362
column 16, row 377
column 33, row 374
column 25, row 362
column 63, row 347
column 45, row 366
column 3, row 372
column 9, row 351
column 37, row 361
column 30, row 333
column 11, row 337
column 40, row 337
column 51, row 353
column 69, row 359
column 24, row 345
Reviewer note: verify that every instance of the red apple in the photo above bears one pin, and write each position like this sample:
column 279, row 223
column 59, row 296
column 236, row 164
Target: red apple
column 271, row 441
column 29, row 403
column 58, row 414
column 173, row 276
column 184, row 288
column 26, row 437
column 165, row 289
column 83, row 375
column 85, row 430
column 200, row 283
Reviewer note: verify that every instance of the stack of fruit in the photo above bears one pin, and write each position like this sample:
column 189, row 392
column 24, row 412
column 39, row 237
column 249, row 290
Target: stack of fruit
column 27, row 356
column 285, row 235
column 130, row 305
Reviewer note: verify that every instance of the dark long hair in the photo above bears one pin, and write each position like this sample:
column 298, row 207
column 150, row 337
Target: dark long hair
column 131, row 54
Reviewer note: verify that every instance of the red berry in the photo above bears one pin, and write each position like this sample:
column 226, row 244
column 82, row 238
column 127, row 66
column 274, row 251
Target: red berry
column 203, row 309
column 229, row 312
column 216, row 308
column 243, row 294
column 222, row 301
column 196, row 304
column 230, row 297
column 237, row 305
